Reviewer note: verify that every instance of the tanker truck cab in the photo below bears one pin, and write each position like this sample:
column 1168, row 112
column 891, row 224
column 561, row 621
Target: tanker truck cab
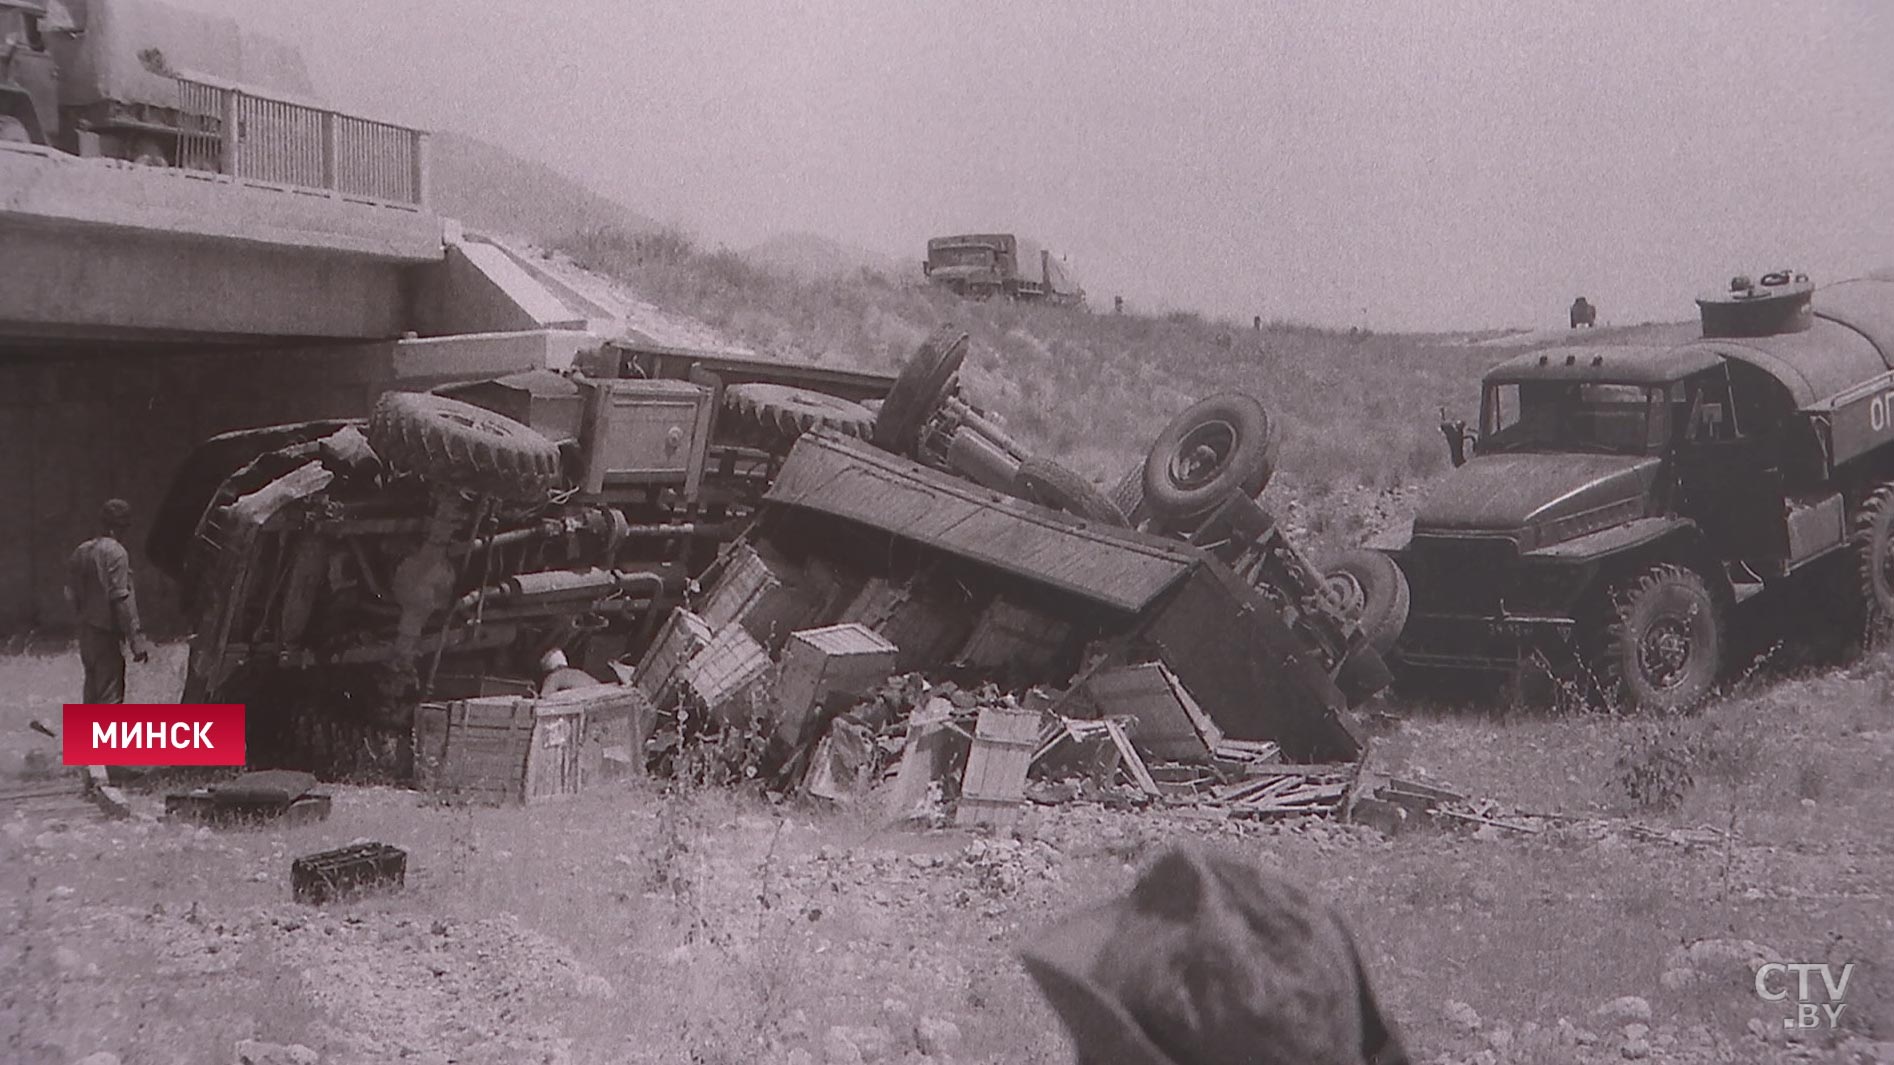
column 1621, row 502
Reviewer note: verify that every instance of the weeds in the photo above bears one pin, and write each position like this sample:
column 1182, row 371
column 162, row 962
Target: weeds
column 1656, row 767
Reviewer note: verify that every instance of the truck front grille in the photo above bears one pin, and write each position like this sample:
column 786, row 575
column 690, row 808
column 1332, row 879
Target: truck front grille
column 1458, row 574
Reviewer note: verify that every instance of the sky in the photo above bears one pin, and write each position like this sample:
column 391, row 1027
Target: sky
column 1395, row 165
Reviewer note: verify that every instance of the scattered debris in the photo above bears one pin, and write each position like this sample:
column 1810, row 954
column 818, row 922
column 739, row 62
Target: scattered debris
column 338, row 874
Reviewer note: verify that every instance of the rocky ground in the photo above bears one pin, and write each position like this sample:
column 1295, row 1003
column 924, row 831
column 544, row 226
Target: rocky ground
column 636, row 924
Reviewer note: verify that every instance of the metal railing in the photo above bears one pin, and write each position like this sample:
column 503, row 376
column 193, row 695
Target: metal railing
column 280, row 142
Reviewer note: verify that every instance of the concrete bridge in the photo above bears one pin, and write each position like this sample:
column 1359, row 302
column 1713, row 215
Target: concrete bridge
column 143, row 309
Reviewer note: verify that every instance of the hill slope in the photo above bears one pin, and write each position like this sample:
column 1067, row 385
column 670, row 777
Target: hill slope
column 486, row 187
column 811, row 257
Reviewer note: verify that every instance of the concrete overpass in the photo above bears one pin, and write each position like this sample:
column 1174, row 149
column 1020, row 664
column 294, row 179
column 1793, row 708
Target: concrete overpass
column 143, row 309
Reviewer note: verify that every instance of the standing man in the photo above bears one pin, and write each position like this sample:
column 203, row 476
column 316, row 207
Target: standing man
column 99, row 588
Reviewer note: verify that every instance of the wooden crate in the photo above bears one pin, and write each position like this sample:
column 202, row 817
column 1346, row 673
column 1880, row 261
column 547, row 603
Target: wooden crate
column 716, row 676
column 553, row 760
column 1011, row 636
column 820, row 664
column 1170, row 724
column 618, row 720
column 745, row 577
column 994, row 783
column 500, row 749
column 474, row 749
column 925, row 628
column 682, row 635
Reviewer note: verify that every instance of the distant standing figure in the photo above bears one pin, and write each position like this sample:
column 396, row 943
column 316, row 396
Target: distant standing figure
column 99, row 589
column 1256, row 323
column 1117, row 305
column 1208, row 960
column 1583, row 313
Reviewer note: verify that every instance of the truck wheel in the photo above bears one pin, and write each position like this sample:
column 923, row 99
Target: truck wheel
column 1129, row 497
column 1051, row 485
column 920, row 388
column 791, row 412
column 464, row 446
column 1372, row 592
column 1220, row 447
column 1874, row 554
column 1662, row 642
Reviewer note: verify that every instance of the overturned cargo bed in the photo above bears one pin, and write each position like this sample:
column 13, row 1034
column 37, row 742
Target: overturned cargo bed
column 1126, row 595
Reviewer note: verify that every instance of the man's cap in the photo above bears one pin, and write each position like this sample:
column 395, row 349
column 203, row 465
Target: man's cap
column 116, row 512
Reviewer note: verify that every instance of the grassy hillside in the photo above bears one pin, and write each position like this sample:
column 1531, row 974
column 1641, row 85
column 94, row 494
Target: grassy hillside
column 488, row 188
column 812, row 257
column 1088, row 388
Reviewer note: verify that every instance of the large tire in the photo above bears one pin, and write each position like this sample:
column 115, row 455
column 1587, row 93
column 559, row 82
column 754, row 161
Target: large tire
column 1220, row 447
column 790, row 412
column 1371, row 591
column 1661, row 644
column 923, row 383
column 1873, row 541
column 463, row 446
column 1129, row 497
column 1049, row 484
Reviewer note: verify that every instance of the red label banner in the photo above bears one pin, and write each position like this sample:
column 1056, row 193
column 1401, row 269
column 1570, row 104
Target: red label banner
column 153, row 734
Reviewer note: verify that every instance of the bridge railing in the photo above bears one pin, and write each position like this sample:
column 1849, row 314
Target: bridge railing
column 281, row 142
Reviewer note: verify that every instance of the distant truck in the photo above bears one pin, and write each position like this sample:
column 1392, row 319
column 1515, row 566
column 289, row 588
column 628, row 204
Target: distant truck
column 132, row 79
column 1620, row 502
column 983, row 265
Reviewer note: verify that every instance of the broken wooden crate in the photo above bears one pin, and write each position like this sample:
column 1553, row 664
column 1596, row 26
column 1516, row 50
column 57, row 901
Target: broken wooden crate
column 682, row 635
column 769, row 597
column 994, row 785
column 718, row 677
column 819, row 666
column 1170, row 724
column 499, row 749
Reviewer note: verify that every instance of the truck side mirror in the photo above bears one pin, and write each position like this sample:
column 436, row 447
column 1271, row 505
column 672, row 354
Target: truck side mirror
column 1457, row 435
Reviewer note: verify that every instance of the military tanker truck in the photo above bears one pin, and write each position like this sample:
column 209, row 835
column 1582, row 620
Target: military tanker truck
column 1617, row 504
column 133, row 79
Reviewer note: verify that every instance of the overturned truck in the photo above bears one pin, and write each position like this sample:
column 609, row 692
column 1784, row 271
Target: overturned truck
column 502, row 538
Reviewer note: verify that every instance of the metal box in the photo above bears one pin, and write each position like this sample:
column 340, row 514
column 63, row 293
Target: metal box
column 338, row 874
column 1815, row 525
column 642, row 433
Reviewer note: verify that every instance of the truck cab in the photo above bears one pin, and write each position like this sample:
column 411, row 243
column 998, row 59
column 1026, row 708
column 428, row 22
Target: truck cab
column 1619, row 501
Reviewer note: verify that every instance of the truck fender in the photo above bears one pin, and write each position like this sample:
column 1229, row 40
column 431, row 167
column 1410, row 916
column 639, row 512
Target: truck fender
column 1620, row 539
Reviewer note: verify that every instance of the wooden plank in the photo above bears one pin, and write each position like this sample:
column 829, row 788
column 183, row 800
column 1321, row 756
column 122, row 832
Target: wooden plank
column 1133, row 764
column 921, row 759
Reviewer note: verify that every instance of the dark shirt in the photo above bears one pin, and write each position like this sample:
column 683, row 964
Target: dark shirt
column 99, row 586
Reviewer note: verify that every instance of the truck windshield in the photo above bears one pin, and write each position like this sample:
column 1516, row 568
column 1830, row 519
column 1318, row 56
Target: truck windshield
column 962, row 255
column 1572, row 416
